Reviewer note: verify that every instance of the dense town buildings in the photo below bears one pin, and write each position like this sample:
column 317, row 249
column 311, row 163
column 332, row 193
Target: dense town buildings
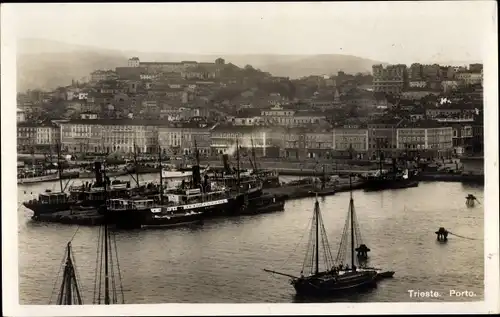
column 177, row 106
column 397, row 79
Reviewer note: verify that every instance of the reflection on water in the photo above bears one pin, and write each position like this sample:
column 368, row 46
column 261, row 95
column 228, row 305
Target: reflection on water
column 222, row 261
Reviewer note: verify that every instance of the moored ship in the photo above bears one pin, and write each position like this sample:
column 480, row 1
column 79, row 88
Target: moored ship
column 395, row 178
column 382, row 180
column 33, row 176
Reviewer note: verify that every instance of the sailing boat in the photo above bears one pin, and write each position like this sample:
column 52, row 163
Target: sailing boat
column 107, row 265
column 356, row 244
column 69, row 293
column 106, row 259
column 327, row 280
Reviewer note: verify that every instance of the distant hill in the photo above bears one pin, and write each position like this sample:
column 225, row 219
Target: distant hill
column 47, row 64
column 327, row 64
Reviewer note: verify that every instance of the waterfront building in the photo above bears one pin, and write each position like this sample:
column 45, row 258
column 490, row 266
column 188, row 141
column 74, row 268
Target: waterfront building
column 424, row 137
column 382, row 137
column 266, row 141
column 350, row 141
column 110, row 135
column 295, row 143
column 180, row 138
column 319, row 142
column 37, row 137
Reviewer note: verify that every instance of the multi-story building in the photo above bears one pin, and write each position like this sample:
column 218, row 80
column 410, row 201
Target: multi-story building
column 26, row 136
column 280, row 116
column 476, row 68
column 415, row 72
column 462, row 134
column 431, row 72
column 319, row 142
column 37, row 137
column 468, row 78
column 134, row 62
column 108, row 136
column 382, row 137
column 265, row 141
column 295, row 146
column 182, row 138
column 208, row 70
column 102, row 75
column 20, row 115
column 425, row 137
column 449, row 85
column 351, row 141
column 391, row 79
column 444, row 111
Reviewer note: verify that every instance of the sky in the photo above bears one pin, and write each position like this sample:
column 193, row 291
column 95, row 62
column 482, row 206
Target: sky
column 396, row 32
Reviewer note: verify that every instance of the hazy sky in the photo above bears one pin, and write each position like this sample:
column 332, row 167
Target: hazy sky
column 386, row 31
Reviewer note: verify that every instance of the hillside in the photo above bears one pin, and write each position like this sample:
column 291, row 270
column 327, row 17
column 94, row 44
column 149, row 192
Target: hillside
column 47, row 64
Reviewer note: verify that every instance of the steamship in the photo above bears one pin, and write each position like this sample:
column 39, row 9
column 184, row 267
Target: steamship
column 190, row 203
column 394, row 178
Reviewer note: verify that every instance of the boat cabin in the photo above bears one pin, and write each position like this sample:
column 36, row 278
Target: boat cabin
column 192, row 196
column 52, row 198
column 130, row 204
column 98, row 194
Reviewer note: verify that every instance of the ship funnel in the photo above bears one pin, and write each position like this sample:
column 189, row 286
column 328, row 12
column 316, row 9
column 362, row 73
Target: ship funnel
column 225, row 160
column 98, row 173
column 196, row 175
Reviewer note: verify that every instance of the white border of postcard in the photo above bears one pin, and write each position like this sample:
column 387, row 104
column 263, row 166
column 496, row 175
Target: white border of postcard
column 9, row 220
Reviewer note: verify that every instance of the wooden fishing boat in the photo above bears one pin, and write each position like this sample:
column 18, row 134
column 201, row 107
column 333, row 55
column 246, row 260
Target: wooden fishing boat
column 329, row 280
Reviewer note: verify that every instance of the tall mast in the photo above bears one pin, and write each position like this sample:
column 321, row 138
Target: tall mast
column 161, row 176
column 316, row 211
column 106, row 275
column 238, row 163
column 196, row 153
column 135, row 165
column 351, row 211
column 59, row 168
column 379, row 156
column 253, row 156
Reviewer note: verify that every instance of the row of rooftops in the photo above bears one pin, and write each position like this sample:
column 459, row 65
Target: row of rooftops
column 227, row 127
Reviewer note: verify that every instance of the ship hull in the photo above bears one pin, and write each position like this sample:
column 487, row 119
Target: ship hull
column 376, row 185
column 39, row 209
column 321, row 286
column 37, row 179
column 172, row 221
column 263, row 204
column 170, row 216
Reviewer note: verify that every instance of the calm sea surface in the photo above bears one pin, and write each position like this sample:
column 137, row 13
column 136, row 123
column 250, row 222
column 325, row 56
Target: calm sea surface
column 222, row 260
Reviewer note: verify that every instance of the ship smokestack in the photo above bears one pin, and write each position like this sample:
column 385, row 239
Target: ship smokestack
column 98, row 173
column 225, row 160
column 196, row 175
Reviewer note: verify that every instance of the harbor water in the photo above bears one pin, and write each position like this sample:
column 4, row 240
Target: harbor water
column 222, row 261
